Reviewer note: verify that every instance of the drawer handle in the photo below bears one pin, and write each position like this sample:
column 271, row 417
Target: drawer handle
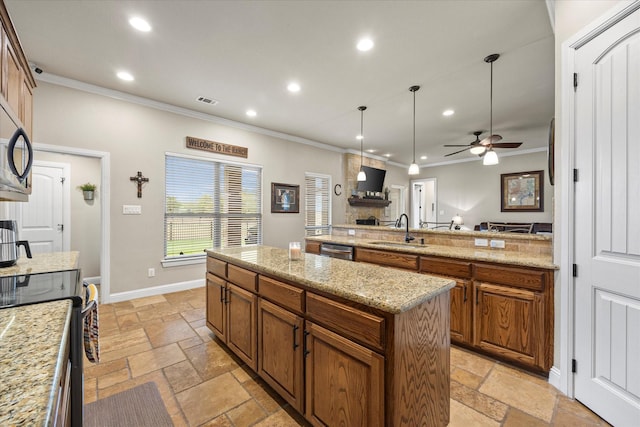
column 222, row 294
column 306, row 351
column 295, row 335
column 226, row 296
column 477, row 293
column 464, row 298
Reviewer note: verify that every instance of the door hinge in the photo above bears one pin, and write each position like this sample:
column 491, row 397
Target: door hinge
column 575, row 175
column 575, row 81
column 575, row 270
column 574, row 366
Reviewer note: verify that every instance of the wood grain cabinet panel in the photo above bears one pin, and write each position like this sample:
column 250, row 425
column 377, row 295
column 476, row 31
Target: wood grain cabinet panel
column 460, row 316
column 312, row 247
column 217, row 267
column 386, row 258
column 508, row 322
column 344, row 381
column 287, row 296
column 280, row 351
column 353, row 323
column 216, row 312
column 241, row 324
column 511, row 276
column 446, row 267
column 244, row 278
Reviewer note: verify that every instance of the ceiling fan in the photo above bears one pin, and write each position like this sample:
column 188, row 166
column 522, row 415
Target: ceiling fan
column 492, row 141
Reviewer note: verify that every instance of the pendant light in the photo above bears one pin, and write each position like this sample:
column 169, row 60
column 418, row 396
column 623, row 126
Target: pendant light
column 491, row 157
column 414, row 169
column 361, row 175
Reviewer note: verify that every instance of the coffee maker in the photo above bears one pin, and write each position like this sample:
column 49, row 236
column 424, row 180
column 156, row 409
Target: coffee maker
column 9, row 243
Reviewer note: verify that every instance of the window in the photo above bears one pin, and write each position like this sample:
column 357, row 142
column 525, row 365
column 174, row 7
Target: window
column 210, row 204
column 317, row 204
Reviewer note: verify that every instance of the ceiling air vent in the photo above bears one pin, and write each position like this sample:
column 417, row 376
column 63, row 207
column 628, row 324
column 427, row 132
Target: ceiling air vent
column 206, row 100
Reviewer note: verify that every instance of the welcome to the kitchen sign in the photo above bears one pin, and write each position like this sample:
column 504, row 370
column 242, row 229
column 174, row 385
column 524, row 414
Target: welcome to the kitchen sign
column 217, row 147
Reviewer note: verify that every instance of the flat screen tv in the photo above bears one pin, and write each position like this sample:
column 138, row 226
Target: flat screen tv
column 375, row 180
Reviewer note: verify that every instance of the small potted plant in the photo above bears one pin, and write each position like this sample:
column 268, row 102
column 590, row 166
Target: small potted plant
column 88, row 190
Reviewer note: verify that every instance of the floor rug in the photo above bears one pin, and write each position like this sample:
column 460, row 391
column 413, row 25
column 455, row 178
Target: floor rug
column 140, row 406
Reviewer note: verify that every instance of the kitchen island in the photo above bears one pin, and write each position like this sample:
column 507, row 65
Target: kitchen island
column 344, row 343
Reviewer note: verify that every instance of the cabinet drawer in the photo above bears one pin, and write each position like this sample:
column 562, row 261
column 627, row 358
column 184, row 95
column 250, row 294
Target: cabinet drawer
column 244, row 278
column 387, row 258
column 217, row 267
column 520, row 277
column 459, row 269
column 348, row 321
column 282, row 294
column 312, row 248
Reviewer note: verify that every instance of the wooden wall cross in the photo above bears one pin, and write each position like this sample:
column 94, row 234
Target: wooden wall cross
column 139, row 179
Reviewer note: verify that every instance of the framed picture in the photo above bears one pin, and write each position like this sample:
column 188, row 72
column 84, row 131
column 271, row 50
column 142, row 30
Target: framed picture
column 522, row 192
column 285, row 198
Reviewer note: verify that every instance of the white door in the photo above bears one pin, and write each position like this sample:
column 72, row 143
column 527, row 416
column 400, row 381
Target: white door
column 607, row 223
column 41, row 220
column 423, row 202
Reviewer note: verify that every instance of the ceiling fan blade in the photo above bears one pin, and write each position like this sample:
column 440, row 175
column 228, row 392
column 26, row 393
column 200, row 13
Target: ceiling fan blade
column 507, row 145
column 451, row 154
column 458, row 145
column 490, row 140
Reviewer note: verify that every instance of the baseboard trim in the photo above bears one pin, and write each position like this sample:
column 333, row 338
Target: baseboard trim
column 156, row 290
column 554, row 377
column 95, row 280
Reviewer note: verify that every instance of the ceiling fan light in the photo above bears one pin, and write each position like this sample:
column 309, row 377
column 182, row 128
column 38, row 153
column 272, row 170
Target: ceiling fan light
column 491, row 158
column 414, row 169
column 478, row 149
column 362, row 176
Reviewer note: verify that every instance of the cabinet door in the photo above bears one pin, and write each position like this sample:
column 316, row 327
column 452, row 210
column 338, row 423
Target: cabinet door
column 13, row 77
column 509, row 322
column 344, row 381
column 216, row 314
column 241, row 324
column 280, row 351
column 461, row 311
column 26, row 106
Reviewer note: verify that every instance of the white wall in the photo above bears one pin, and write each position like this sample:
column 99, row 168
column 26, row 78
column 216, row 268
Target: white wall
column 85, row 215
column 472, row 190
column 137, row 138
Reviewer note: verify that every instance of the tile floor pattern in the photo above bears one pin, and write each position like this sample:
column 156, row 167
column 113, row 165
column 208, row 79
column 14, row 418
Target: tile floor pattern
column 164, row 339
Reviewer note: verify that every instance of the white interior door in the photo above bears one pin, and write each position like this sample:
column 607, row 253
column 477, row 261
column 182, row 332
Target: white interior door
column 41, row 221
column 423, row 201
column 607, row 223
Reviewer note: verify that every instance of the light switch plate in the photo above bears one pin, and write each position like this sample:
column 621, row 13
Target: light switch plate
column 497, row 244
column 131, row 209
column 482, row 242
column 351, row 232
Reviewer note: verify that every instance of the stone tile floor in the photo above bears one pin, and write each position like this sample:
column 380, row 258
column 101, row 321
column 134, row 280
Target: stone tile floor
column 164, row 339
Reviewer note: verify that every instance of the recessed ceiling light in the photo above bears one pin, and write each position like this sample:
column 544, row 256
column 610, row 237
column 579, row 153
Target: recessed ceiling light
column 293, row 87
column 140, row 24
column 423, row 158
column 448, row 112
column 125, row 76
column 365, row 44
column 251, row 113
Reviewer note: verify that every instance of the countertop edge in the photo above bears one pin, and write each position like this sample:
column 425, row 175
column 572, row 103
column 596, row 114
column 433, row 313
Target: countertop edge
column 60, row 360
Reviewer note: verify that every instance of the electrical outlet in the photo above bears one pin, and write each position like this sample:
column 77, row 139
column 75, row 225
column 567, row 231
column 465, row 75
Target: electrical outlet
column 497, row 244
column 131, row 209
column 151, row 272
column 482, row 242
column 351, row 232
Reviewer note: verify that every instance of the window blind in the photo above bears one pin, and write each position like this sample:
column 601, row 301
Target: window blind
column 317, row 204
column 210, row 204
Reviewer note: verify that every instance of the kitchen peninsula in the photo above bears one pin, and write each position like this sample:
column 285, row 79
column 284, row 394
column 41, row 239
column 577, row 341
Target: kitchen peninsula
column 344, row 343
column 502, row 304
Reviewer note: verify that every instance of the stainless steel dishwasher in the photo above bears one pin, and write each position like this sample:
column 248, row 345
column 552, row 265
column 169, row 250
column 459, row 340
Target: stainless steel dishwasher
column 336, row 251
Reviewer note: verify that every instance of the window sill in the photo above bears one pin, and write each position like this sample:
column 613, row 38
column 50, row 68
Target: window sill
column 180, row 261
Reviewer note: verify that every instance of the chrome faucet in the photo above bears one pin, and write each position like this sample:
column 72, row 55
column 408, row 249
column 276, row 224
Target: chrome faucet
column 407, row 238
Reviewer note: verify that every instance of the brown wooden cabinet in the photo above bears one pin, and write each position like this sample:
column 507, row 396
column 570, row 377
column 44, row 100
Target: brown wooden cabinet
column 280, row 351
column 461, row 296
column 216, row 313
column 344, row 381
column 386, row 258
column 312, row 247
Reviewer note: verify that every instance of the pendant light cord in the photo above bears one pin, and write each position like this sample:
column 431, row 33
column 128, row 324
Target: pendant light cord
column 361, row 135
column 414, row 126
column 491, row 106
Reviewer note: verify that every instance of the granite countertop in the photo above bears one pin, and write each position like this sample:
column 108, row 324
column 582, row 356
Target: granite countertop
column 444, row 231
column 42, row 263
column 387, row 289
column 472, row 254
column 32, row 343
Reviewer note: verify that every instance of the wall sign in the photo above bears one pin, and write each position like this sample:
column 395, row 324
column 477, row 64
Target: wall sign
column 217, row 147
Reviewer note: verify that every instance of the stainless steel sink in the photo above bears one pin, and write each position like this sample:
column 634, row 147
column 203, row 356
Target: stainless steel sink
column 399, row 244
